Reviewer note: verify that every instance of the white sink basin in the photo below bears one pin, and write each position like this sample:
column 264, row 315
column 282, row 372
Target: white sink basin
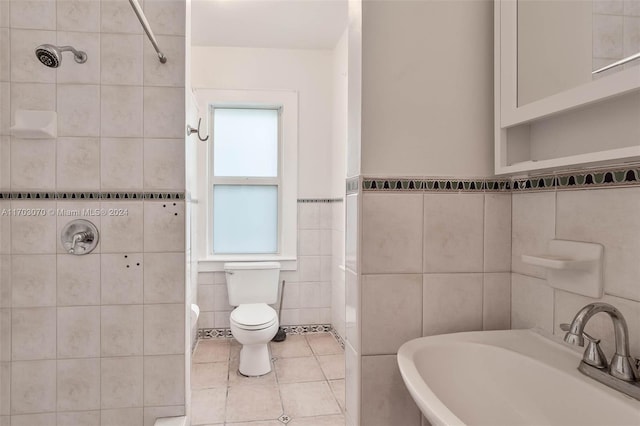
column 507, row 378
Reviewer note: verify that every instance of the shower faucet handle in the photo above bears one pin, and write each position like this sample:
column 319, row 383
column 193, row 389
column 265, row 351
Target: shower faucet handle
column 79, row 237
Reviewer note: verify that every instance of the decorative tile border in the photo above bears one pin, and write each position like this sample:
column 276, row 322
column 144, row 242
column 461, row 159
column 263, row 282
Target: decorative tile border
column 164, row 196
column 583, row 179
column 338, row 337
column 19, row 195
column 213, row 333
column 435, row 185
column 29, row 195
column 319, row 200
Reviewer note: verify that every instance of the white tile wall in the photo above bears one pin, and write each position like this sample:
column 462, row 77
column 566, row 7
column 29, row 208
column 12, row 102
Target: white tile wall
column 121, row 330
column 353, row 376
column 308, row 291
column 78, row 332
column 78, row 384
column 33, row 386
column 122, row 416
column 78, row 418
column 166, row 388
column 163, row 161
column 162, row 336
column 81, row 336
column 496, row 301
column 452, row 303
column 73, row 72
column 432, row 264
column 533, row 225
column 122, row 234
column 33, row 283
column 121, row 66
column 385, row 398
column 121, row 111
column 387, row 301
column 453, row 232
column 121, row 280
column 25, row 164
column 353, row 313
column 78, row 15
column 497, row 232
column 531, row 303
column 336, row 247
column 33, row 333
column 121, row 382
column 605, row 216
column 121, row 162
column 392, row 233
column 76, row 165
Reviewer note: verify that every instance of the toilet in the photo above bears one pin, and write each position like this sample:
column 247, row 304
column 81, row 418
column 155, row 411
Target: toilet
column 252, row 286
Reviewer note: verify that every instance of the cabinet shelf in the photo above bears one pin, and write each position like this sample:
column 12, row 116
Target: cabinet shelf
column 624, row 155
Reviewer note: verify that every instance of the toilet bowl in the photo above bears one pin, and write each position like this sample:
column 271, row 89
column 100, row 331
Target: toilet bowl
column 252, row 286
column 253, row 325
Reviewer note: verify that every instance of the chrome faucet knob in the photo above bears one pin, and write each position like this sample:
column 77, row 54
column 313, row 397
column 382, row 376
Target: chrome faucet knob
column 79, row 237
column 593, row 354
column 623, row 368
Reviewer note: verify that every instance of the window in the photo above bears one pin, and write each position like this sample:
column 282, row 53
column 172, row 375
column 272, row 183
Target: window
column 247, row 178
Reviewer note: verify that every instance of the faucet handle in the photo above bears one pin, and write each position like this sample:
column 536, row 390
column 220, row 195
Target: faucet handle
column 593, row 354
column 567, row 327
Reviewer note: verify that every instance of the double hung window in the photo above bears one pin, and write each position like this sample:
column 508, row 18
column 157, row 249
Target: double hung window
column 246, row 180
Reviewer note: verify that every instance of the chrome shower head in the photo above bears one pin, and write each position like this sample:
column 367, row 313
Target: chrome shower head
column 51, row 55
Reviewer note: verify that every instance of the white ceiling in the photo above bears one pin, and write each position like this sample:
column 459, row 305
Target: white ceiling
column 290, row 24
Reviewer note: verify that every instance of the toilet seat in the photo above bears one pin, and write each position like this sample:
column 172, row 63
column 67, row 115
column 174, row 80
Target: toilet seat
column 254, row 316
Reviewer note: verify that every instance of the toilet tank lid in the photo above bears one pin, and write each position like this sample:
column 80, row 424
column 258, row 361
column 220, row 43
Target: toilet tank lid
column 251, row 265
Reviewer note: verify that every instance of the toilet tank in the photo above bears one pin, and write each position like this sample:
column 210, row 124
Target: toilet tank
column 252, row 282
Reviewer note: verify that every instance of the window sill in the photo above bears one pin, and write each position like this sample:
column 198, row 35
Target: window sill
column 216, row 264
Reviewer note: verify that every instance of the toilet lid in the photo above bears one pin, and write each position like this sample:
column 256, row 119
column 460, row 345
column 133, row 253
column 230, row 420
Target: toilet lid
column 253, row 314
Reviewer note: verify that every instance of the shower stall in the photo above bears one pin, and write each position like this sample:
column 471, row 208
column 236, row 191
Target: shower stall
column 94, row 336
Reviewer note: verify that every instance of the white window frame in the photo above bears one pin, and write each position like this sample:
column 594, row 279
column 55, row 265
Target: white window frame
column 287, row 103
column 245, row 180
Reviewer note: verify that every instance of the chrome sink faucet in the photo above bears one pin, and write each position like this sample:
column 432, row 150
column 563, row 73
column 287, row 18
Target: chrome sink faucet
column 622, row 373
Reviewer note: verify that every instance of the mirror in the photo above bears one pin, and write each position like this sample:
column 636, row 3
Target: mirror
column 563, row 44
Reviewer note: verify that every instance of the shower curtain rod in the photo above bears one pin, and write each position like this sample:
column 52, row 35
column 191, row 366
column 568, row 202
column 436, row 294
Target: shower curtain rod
column 147, row 29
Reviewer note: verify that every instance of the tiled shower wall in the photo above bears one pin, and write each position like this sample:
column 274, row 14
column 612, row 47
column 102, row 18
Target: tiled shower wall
column 430, row 263
column 308, row 291
column 610, row 217
column 95, row 339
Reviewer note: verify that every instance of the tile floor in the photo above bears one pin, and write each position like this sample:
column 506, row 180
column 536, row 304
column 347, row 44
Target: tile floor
column 305, row 387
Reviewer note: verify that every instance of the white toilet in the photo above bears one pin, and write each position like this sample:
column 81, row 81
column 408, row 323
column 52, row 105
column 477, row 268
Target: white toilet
column 252, row 286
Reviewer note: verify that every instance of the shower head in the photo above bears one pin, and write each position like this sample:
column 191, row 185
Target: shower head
column 51, row 55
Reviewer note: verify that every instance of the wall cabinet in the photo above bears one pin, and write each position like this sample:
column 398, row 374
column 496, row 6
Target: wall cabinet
column 594, row 122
